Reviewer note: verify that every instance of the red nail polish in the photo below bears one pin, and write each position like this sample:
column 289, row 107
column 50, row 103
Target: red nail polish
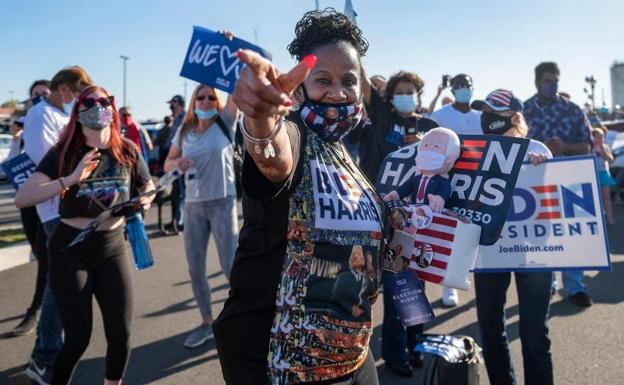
column 309, row 60
column 287, row 103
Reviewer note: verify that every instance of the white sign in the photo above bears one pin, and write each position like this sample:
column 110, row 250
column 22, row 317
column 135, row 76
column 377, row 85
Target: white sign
column 555, row 221
column 340, row 201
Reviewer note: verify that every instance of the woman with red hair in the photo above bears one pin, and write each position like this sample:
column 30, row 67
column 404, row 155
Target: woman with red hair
column 92, row 168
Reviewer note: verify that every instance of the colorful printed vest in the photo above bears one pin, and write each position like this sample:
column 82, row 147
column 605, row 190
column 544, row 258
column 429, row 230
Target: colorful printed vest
column 331, row 271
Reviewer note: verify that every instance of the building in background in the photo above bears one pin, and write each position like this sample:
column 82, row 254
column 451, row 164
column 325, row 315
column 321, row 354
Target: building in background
column 617, row 85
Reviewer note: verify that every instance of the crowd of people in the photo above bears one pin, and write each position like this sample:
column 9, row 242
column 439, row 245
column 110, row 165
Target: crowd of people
column 301, row 323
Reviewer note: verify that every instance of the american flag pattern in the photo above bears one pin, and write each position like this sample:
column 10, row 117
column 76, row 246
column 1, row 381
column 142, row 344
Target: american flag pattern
column 440, row 236
column 500, row 98
column 315, row 116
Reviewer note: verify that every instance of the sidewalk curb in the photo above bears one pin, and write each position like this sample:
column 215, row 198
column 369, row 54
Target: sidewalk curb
column 16, row 255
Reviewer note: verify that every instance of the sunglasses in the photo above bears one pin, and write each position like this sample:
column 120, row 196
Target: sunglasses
column 104, row 102
column 212, row 98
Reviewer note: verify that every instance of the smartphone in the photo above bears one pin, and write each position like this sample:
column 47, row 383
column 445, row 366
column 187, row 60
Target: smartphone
column 410, row 130
column 445, row 80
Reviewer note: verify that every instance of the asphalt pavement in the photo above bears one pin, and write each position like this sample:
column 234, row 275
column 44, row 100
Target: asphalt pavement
column 587, row 343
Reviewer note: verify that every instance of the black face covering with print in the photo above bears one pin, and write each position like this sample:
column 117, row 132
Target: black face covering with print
column 494, row 124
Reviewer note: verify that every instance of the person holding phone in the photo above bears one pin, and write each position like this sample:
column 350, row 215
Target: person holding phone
column 394, row 119
column 91, row 168
column 564, row 128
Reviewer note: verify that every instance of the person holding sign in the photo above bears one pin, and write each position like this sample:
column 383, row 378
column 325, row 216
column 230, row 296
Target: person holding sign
column 91, row 168
column 502, row 115
column 202, row 149
column 564, row 128
column 308, row 213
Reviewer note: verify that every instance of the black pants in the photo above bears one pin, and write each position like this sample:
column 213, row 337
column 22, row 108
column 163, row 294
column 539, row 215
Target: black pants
column 99, row 266
column 37, row 241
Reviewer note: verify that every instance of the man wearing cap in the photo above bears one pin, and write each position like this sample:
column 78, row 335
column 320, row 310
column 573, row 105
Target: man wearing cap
column 176, row 104
column 564, row 128
column 502, row 115
column 459, row 117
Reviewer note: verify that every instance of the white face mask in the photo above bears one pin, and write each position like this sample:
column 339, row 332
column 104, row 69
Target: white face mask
column 429, row 160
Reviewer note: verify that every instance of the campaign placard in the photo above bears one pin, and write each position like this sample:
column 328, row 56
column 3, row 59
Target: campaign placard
column 408, row 298
column 18, row 169
column 555, row 221
column 211, row 59
column 482, row 180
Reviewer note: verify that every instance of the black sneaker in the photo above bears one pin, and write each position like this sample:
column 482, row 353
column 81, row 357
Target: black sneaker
column 581, row 299
column 27, row 326
column 41, row 374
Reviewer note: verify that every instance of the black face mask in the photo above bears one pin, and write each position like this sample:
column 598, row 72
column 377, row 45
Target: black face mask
column 494, row 124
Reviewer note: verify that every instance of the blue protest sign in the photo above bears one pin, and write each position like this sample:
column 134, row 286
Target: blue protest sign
column 211, row 59
column 482, row 180
column 18, row 169
column 408, row 297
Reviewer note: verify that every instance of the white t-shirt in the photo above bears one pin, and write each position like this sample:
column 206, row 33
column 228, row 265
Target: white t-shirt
column 42, row 126
column 449, row 117
column 537, row 148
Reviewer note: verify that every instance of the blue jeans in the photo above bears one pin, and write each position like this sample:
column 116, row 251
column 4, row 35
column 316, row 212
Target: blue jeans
column 49, row 329
column 573, row 281
column 396, row 339
column 533, row 303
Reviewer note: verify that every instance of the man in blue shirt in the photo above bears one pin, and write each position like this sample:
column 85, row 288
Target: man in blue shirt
column 564, row 128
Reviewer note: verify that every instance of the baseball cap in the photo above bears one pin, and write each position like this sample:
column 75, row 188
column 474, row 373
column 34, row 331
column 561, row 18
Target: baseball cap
column 177, row 99
column 499, row 100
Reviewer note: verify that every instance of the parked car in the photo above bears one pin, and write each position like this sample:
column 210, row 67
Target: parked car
column 618, row 163
column 5, row 147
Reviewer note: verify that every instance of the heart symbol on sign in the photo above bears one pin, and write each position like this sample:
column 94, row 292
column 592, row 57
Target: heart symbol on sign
column 226, row 56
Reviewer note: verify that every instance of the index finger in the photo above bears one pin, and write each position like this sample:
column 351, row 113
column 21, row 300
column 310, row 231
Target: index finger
column 257, row 63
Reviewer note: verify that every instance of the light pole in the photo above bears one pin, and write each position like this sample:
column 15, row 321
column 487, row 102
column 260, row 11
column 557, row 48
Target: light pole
column 592, row 85
column 125, row 60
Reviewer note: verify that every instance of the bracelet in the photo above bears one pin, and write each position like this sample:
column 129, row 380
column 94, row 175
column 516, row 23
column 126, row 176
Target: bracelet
column 62, row 184
column 268, row 150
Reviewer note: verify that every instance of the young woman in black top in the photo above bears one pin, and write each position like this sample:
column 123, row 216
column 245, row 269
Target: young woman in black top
column 93, row 168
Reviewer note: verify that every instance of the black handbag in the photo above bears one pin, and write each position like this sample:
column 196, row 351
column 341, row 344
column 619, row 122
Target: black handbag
column 456, row 360
column 237, row 157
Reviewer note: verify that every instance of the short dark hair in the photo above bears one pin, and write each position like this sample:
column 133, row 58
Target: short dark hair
column 547, row 66
column 403, row 76
column 41, row 82
column 461, row 77
column 317, row 28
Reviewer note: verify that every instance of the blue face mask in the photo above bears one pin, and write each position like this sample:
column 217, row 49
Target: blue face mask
column 549, row 90
column 404, row 103
column 463, row 95
column 67, row 107
column 205, row 115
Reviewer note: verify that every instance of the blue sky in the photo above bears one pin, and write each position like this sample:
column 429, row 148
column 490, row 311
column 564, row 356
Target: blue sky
column 497, row 42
